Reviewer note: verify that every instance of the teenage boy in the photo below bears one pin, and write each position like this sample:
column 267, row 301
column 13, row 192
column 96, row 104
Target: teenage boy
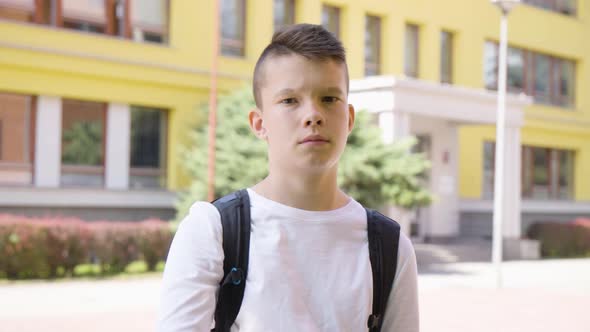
column 309, row 267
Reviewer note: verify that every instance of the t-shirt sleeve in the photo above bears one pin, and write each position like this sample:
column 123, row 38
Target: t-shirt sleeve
column 402, row 306
column 193, row 270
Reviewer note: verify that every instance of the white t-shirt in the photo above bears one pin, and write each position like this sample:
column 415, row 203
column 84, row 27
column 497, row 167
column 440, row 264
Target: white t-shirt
column 308, row 271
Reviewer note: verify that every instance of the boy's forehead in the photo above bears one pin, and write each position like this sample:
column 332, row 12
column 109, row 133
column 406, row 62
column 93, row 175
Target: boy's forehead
column 282, row 72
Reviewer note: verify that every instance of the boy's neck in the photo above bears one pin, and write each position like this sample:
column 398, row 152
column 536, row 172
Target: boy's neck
column 318, row 192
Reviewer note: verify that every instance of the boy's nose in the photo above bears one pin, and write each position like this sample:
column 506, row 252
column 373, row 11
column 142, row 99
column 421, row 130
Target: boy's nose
column 313, row 117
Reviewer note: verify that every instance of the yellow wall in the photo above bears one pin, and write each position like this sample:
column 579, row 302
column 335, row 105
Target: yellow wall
column 41, row 60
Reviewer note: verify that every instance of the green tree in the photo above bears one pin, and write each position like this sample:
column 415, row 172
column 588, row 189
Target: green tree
column 370, row 171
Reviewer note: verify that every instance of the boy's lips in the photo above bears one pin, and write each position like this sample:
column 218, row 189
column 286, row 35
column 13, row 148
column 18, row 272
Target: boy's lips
column 316, row 139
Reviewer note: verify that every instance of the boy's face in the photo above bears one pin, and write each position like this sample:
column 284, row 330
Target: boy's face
column 305, row 116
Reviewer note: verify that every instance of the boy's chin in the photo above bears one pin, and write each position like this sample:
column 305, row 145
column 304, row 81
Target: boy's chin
column 313, row 167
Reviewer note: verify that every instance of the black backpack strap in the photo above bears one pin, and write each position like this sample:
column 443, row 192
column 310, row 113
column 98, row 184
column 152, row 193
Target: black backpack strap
column 235, row 220
column 383, row 234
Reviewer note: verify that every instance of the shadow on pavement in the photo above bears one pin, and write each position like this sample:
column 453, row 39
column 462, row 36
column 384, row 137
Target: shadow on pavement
column 437, row 258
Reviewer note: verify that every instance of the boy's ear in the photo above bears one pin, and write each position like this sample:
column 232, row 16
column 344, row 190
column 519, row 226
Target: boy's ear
column 257, row 123
column 351, row 114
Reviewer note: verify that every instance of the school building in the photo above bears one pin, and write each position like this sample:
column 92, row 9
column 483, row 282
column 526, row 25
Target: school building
column 98, row 96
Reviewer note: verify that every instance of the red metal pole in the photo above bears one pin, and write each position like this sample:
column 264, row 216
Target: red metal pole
column 213, row 103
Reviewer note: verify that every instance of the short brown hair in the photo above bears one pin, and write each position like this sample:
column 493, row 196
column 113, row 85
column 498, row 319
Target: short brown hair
column 308, row 40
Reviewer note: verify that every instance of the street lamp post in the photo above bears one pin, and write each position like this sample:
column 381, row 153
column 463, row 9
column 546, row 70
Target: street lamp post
column 505, row 7
column 213, row 105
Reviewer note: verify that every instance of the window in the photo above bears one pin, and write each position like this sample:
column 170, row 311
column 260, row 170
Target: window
column 331, row 19
column 515, row 77
column 233, row 25
column 446, row 57
column 411, row 51
column 284, row 13
column 17, row 10
column 516, row 68
column 144, row 21
column 563, row 80
column 47, row 13
column 16, row 140
column 149, row 20
column 548, row 79
column 541, row 73
column 567, row 7
column 490, row 66
column 83, row 143
column 372, row 45
column 489, row 160
column 148, row 148
column 546, row 173
column 84, row 15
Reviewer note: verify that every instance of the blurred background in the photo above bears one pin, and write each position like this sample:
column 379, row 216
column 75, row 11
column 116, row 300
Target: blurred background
column 104, row 109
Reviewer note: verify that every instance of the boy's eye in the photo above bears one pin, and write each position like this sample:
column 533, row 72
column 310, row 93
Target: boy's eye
column 329, row 99
column 288, row 101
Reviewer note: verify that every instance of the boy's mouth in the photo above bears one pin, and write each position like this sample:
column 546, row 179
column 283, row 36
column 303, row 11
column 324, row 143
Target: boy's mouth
column 314, row 139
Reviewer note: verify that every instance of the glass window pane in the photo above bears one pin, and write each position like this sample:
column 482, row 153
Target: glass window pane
column 542, row 78
column 17, row 10
column 515, row 77
column 540, row 173
column 568, row 7
column 149, row 20
column 82, row 143
column 284, row 13
column 490, row 65
column 566, row 83
column 331, row 19
column 566, row 174
column 372, row 45
column 446, row 56
column 411, row 51
column 488, row 170
column 84, row 15
column 15, row 140
column 148, row 147
column 233, row 14
column 526, row 172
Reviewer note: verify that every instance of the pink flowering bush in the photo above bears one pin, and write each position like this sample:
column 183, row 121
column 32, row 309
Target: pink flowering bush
column 41, row 247
column 562, row 240
column 20, row 253
column 154, row 241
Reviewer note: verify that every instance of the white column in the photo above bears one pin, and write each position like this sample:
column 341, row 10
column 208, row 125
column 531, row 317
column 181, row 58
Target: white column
column 511, row 227
column 48, row 142
column 386, row 125
column 117, row 146
column 394, row 125
column 401, row 124
column 444, row 209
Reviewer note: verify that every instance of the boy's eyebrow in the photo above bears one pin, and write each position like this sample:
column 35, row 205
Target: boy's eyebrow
column 284, row 92
column 333, row 90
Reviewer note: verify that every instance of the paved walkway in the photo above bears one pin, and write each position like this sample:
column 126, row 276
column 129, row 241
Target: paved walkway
column 457, row 293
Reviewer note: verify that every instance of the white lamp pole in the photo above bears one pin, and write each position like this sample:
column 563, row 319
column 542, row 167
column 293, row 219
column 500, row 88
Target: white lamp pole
column 213, row 104
column 505, row 6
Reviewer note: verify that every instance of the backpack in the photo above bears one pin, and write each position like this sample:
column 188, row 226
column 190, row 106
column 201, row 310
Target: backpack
column 383, row 234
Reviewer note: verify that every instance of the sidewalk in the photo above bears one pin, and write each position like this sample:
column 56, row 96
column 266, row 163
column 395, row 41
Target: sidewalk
column 455, row 295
